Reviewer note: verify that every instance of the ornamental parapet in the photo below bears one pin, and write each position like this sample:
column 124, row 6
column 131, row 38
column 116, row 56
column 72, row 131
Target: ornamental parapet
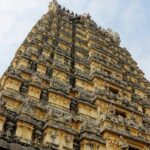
column 62, row 40
column 125, row 134
column 59, row 65
column 109, row 78
column 84, row 61
column 128, row 105
column 81, row 48
column 140, row 87
column 82, row 74
column 59, row 85
column 92, row 136
column 63, row 52
column 106, row 63
column 101, row 49
column 60, row 126
column 123, row 124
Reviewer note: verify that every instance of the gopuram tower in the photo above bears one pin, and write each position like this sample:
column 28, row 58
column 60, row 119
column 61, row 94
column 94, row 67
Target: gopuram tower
column 71, row 86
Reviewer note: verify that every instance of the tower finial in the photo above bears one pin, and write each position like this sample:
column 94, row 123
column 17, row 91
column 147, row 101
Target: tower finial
column 53, row 6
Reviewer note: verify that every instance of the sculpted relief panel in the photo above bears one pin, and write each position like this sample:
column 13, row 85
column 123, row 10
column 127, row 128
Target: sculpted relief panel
column 59, row 100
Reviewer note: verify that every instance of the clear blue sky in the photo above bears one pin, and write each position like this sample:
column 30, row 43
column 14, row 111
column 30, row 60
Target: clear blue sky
column 130, row 18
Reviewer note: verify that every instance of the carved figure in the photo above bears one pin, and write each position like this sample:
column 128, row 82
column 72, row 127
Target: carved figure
column 115, row 36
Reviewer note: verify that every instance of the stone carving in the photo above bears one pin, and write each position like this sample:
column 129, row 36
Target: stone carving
column 109, row 114
column 66, row 68
column 67, row 118
column 86, row 18
column 49, row 72
column 9, row 129
column 36, row 78
column 37, row 137
column 121, row 142
column 112, row 142
column 59, row 116
column 17, row 72
column 125, row 102
column 40, row 50
column 120, row 119
column 111, row 109
column 88, row 126
column 33, row 66
column 90, row 146
column 87, row 15
column 142, row 128
column 73, row 105
column 130, row 122
column 49, row 114
column 53, row 136
column 27, row 109
column 68, row 139
column 2, row 105
column 44, row 95
column 118, row 142
column 24, row 87
column 53, row 6
column 115, row 36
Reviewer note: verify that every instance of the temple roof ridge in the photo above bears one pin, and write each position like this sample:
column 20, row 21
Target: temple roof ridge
column 53, row 5
column 54, row 2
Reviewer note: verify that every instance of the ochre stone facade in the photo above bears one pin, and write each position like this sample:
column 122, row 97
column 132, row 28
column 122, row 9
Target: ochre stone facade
column 71, row 86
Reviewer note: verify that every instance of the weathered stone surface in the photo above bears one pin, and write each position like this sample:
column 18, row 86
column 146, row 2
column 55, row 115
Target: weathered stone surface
column 71, row 86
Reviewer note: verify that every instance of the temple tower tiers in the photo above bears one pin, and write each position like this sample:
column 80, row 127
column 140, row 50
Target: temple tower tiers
column 71, row 86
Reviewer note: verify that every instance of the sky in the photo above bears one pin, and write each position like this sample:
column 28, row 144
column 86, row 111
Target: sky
column 130, row 18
